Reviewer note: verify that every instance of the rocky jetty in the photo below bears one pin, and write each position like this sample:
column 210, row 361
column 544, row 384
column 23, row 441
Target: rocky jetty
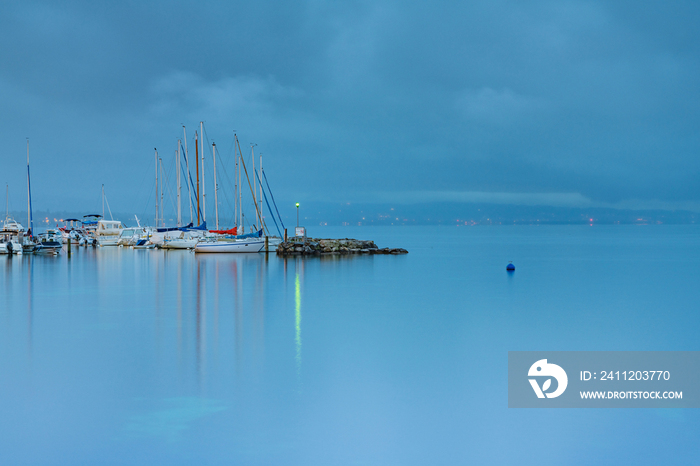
column 316, row 246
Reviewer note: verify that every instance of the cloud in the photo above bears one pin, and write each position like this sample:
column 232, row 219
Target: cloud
column 185, row 90
column 480, row 97
column 552, row 199
column 495, row 107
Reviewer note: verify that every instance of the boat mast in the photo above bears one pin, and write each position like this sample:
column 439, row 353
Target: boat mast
column 189, row 177
column 216, row 187
column 7, row 201
column 204, row 184
column 196, row 162
column 103, row 197
column 156, row 219
column 240, row 180
column 257, row 214
column 162, row 204
column 179, row 187
column 29, row 194
column 235, row 186
column 261, row 192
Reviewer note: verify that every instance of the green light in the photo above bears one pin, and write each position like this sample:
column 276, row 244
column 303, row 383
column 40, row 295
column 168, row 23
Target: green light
column 297, row 205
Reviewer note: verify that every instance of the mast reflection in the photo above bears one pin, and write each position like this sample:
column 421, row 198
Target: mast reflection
column 30, row 307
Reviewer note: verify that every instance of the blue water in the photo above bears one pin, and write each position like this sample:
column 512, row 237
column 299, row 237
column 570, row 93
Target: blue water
column 115, row 356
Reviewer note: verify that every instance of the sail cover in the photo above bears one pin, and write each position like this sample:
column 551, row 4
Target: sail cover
column 232, row 231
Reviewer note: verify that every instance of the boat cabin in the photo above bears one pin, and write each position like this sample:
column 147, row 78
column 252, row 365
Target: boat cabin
column 109, row 227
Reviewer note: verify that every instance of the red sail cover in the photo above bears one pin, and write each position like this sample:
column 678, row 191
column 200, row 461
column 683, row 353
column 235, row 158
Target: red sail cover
column 232, row 231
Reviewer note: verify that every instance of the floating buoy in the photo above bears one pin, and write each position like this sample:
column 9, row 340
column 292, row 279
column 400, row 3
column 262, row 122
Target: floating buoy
column 510, row 267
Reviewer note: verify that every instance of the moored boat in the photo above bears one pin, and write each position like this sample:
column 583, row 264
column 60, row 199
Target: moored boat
column 144, row 244
column 10, row 242
column 11, row 236
column 230, row 246
column 186, row 240
column 130, row 236
column 108, row 231
column 49, row 242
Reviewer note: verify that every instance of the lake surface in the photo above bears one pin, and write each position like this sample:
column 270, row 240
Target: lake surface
column 113, row 356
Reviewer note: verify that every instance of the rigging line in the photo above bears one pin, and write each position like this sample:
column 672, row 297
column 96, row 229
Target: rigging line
column 168, row 188
column 251, row 187
column 223, row 180
column 108, row 209
column 148, row 201
column 166, row 175
column 206, row 136
column 185, row 173
column 226, row 175
column 273, row 197
column 268, row 206
column 193, row 189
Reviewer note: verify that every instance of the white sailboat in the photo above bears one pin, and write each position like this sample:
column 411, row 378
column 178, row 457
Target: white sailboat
column 232, row 245
column 252, row 243
column 185, row 240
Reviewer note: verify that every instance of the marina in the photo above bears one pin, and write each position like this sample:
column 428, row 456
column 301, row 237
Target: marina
column 349, row 233
column 94, row 230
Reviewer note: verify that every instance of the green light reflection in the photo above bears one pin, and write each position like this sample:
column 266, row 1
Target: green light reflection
column 297, row 323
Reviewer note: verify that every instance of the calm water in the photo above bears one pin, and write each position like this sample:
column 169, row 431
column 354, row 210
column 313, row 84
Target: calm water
column 115, row 356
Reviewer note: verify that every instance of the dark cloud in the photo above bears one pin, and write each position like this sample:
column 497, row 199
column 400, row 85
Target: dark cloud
column 588, row 99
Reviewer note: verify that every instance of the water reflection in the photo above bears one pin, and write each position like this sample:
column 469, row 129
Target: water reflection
column 298, row 279
column 297, row 322
column 229, row 295
column 158, row 325
column 30, row 307
column 206, row 312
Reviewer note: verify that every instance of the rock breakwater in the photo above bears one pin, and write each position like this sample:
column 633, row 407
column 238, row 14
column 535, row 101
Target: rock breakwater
column 317, row 246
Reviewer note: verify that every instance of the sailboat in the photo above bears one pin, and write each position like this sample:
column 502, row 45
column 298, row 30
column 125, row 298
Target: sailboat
column 229, row 245
column 235, row 240
column 180, row 236
column 28, row 243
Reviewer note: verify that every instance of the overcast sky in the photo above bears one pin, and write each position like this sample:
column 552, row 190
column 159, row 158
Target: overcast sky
column 560, row 103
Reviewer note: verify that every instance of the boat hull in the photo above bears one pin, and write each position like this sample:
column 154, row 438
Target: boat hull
column 12, row 247
column 108, row 241
column 179, row 244
column 46, row 250
column 230, row 246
